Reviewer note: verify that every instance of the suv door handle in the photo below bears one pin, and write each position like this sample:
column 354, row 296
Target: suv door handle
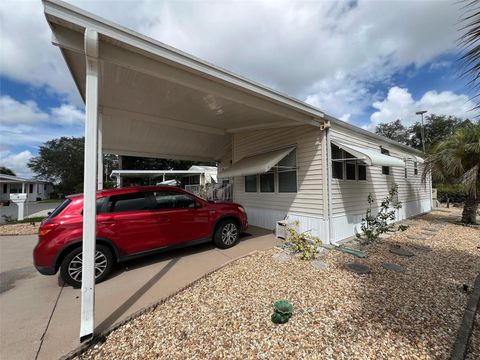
column 108, row 221
column 163, row 218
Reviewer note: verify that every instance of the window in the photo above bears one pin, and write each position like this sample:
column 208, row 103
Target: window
column 30, row 188
column 173, row 200
column 362, row 172
column 345, row 169
column 251, row 183
column 267, row 182
column 350, row 167
column 287, row 173
column 415, row 168
column 128, row 202
column 337, row 166
column 59, row 208
column 5, row 188
column 385, row 169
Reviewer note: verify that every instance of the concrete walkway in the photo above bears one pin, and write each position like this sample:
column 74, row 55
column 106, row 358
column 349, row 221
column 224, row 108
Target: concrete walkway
column 40, row 318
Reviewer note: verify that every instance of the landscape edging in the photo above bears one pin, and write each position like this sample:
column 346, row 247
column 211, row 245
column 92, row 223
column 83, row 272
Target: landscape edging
column 462, row 341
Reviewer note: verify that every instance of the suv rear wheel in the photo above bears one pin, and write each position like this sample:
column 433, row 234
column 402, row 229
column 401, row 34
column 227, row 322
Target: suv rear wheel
column 227, row 234
column 71, row 268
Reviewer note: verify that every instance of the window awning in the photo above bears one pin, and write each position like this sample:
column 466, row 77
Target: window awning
column 417, row 159
column 370, row 156
column 257, row 164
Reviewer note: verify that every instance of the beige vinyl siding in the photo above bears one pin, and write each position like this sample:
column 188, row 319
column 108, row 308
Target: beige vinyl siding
column 350, row 197
column 307, row 140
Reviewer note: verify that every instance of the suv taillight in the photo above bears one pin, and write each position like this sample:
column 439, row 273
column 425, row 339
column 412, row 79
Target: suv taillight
column 46, row 228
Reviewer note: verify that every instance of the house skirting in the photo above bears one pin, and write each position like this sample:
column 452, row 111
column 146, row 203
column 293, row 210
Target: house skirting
column 343, row 226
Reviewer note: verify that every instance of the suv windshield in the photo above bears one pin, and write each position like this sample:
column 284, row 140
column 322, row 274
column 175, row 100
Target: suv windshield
column 59, row 208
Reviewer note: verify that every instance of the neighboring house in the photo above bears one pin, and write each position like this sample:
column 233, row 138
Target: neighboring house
column 198, row 179
column 35, row 189
column 284, row 172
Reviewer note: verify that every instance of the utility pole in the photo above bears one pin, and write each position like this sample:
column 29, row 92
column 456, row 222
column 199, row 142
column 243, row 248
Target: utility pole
column 422, row 129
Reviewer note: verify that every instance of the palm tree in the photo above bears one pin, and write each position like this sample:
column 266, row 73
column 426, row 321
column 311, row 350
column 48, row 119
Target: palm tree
column 470, row 42
column 457, row 158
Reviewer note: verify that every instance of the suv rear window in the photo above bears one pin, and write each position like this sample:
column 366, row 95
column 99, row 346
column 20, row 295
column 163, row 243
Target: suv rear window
column 59, row 208
column 128, row 202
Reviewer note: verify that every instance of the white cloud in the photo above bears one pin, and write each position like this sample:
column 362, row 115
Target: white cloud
column 68, row 114
column 326, row 52
column 400, row 104
column 14, row 112
column 17, row 162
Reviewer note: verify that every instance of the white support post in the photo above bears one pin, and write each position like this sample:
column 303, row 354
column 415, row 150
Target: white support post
column 87, row 324
column 120, row 167
column 100, row 154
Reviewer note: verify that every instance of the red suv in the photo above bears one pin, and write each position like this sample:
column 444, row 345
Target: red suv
column 133, row 222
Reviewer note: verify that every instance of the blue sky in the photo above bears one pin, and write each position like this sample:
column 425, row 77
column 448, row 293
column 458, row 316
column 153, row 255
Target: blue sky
column 339, row 56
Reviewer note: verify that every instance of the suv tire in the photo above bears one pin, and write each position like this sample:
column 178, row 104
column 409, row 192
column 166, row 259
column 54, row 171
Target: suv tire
column 71, row 267
column 227, row 234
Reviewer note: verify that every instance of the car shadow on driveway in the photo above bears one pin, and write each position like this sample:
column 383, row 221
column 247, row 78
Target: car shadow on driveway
column 115, row 315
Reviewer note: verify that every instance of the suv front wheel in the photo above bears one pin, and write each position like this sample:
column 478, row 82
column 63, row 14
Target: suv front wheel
column 71, row 268
column 227, row 234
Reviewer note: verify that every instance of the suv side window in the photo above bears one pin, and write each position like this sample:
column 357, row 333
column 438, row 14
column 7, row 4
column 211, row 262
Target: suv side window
column 127, row 202
column 172, row 200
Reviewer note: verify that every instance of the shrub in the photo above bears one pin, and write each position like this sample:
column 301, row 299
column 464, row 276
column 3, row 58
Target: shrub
column 303, row 243
column 456, row 193
column 374, row 225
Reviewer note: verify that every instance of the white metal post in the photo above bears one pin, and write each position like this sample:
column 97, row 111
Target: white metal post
column 87, row 324
column 100, row 154
column 120, row 167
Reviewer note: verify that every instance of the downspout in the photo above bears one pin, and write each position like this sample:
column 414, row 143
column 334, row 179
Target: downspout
column 329, row 183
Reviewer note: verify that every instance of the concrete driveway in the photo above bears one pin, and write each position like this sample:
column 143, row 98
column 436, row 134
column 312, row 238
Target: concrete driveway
column 39, row 318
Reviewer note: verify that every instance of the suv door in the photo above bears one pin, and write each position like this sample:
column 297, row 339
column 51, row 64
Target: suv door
column 127, row 220
column 182, row 218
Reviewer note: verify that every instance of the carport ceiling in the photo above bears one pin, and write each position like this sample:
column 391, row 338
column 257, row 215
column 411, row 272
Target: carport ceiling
column 157, row 101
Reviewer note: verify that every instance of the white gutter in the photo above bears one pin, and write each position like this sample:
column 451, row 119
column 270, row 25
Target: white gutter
column 329, row 187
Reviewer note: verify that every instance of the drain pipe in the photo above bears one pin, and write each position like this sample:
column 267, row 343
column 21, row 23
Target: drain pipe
column 329, row 185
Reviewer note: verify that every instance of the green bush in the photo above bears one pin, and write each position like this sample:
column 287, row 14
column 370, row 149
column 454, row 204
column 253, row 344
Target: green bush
column 456, row 193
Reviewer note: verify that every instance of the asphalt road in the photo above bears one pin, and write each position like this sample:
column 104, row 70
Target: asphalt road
column 30, row 208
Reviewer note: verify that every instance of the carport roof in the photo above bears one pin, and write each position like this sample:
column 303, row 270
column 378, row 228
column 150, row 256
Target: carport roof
column 158, row 101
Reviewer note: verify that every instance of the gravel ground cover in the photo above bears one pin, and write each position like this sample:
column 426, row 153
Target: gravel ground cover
column 474, row 346
column 19, row 229
column 414, row 314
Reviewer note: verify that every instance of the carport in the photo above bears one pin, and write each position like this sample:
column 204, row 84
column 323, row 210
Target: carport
column 144, row 98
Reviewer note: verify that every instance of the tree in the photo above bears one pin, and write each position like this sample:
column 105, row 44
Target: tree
column 140, row 163
column 61, row 162
column 394, row 130
column 436, row 128
column 458, row 158
column 470, row 42
column 6, row 171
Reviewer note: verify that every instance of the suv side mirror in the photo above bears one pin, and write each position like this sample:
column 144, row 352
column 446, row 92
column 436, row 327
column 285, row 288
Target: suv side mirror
column 198, row 205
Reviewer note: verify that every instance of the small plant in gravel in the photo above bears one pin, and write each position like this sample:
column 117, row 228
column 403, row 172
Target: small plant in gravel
column 374, row 225
column 283, row 311
column 304, row 243
column 403, row 227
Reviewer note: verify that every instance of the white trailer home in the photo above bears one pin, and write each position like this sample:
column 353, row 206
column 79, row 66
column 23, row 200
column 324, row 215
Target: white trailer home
column 286, row 157
column 321, row 176
column 35, row 189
